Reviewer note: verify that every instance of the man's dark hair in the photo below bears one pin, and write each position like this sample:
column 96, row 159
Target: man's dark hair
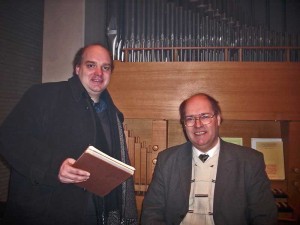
column 78, row 56
column 214, row 104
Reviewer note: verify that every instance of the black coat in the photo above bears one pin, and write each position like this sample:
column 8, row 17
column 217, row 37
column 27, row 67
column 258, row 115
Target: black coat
column 52, row 122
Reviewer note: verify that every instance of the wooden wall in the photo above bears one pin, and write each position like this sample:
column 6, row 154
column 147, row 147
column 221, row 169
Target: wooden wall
column 246, row 91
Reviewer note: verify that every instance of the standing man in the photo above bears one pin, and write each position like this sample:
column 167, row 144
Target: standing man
column 48, row 130
column 207, row 180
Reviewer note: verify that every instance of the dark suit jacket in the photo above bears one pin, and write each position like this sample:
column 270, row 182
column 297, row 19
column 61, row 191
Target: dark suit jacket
column 242, row 192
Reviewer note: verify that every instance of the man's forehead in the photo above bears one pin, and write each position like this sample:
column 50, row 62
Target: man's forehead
column 95, row 56
column 199, row 99
column 198, row 102
column 95, row 49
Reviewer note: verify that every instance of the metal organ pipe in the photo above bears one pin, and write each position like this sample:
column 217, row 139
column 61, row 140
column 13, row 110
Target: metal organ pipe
column 163, row 31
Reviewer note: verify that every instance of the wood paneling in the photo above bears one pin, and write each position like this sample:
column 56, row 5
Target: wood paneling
column 291, row 134
column 246, row 91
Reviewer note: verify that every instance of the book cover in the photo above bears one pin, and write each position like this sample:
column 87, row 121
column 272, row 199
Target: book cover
column 106, row 172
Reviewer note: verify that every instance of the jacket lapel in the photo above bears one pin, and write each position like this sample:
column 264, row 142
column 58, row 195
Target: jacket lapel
column 185, row 159
column 225, row 167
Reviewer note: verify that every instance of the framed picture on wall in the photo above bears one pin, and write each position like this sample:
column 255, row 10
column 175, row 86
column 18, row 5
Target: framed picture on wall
column 234, row 140
column 272, row 148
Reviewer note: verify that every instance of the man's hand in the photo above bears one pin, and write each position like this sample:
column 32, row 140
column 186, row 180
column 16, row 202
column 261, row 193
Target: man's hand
column 69, row 174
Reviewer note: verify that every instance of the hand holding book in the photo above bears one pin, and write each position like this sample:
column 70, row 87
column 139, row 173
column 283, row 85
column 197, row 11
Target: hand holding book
column 106, row 172
column 68, row 174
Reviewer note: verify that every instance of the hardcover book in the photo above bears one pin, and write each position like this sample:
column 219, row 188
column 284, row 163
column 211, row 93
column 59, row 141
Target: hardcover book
column 106, row 172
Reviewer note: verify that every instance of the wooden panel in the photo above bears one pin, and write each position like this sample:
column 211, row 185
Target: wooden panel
column 139, row 202
column 141, row 128
column 159, row 139
column 250, row 129
column 137, row 162
column 246, row 91
column 292, row 133
column 175, row 133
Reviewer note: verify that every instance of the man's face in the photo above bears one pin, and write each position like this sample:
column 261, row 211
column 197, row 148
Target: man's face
column 95, row 70
column 203, row 137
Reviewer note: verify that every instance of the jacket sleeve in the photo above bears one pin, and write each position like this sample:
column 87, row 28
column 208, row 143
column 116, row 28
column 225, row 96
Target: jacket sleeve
column 154, row 202
column 261, row 204
column 22, row 139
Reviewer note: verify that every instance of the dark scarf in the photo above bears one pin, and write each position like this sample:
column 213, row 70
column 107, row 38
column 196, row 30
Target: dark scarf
column 119, row 206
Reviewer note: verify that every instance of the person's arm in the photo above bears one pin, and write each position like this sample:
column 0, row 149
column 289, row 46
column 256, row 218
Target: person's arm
column 23, row 145
column 154, row 202
column 261, row 203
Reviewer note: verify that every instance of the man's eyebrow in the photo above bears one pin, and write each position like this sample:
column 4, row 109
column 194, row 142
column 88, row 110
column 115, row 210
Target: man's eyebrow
column 107, row 64
column 88, row 61
column 104, row 64
column 204, row 113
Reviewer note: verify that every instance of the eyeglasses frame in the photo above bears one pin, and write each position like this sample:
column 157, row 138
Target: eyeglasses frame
column 199, row 118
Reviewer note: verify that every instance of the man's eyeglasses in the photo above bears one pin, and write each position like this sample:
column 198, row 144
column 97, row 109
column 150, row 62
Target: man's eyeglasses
column 205, row 118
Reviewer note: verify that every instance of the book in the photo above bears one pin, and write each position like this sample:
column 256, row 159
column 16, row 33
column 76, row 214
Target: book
column 106, row 172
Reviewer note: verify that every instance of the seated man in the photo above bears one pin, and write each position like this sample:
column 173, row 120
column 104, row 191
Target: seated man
column 207, row 180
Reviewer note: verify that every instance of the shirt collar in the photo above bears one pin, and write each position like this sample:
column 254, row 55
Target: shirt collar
column 210, row 152
column 101, row 105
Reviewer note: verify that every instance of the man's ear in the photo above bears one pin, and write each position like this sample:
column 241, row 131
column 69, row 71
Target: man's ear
column 77, row 70
column 219, row 120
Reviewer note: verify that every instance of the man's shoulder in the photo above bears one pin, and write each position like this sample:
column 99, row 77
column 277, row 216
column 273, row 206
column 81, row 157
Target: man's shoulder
column 46, row 89
column 238, row 150
column 175, row 150
column 172, row 156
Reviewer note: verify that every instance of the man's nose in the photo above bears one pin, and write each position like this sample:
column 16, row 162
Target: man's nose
column 198, row 122
column 99, row 70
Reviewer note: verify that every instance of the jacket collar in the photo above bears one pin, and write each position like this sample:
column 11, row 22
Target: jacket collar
column 185, row 159
column 78, row 90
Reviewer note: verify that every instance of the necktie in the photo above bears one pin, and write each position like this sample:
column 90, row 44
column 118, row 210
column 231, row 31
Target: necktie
column 203, row 157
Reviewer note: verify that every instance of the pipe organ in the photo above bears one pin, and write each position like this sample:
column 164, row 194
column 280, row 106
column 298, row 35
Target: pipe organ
column 194, row 30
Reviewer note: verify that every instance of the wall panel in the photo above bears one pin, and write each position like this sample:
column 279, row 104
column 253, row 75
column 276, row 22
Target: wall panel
column 246, row 91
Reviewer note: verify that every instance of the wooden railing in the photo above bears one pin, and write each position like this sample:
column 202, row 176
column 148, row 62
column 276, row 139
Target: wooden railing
column 188, row 54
